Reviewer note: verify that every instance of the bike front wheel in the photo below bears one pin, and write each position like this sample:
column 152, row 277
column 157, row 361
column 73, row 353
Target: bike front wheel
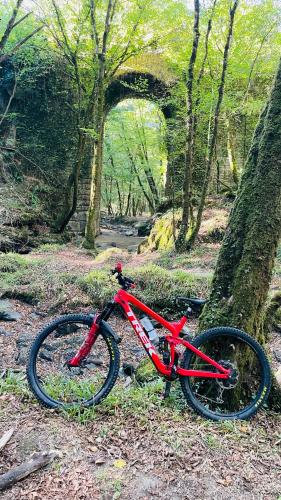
column 244, row 393
column 55, row 383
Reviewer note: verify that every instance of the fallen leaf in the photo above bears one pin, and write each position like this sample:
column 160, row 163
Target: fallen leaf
column 93, row 449
column 120, row 463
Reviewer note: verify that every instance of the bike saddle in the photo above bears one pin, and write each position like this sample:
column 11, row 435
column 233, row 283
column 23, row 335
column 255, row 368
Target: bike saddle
column 192, row 302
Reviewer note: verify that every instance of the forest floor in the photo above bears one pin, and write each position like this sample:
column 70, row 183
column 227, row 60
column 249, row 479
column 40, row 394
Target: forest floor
column 134, row 445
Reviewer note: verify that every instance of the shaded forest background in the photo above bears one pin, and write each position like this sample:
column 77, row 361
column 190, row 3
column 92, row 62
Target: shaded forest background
column 56, row 105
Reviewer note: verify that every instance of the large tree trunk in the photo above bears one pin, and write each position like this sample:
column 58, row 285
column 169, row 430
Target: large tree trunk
column 71, row 188
column 93, row 219
column 244, row 268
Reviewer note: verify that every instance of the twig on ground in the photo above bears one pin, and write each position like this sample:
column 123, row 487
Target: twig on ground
column 36, row 461
column 5, row 438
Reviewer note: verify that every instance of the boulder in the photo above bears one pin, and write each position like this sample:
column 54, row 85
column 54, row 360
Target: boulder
column 7, row 313
column 144, row 228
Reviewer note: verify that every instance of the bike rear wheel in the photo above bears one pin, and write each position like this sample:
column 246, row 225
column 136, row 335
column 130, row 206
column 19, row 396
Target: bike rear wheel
column 249, row 386
column 56, row 384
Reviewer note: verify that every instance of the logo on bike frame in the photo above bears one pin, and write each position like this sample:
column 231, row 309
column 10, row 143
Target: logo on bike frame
column 140, row 332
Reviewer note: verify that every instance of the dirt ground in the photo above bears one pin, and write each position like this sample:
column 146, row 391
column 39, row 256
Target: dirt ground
column 136, row 447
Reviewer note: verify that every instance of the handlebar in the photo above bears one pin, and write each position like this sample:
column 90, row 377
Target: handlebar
column 124, row 282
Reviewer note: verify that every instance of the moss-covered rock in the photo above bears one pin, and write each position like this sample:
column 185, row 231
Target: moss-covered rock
column 162, row 233
column 165, row 229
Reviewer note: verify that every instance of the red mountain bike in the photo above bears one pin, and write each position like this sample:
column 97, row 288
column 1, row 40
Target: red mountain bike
column 75, row 360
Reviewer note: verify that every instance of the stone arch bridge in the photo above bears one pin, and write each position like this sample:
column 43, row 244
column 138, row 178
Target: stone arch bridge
column 140, row 86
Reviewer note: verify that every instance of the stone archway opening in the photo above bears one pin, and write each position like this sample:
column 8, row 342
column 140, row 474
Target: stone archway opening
column 134, row 159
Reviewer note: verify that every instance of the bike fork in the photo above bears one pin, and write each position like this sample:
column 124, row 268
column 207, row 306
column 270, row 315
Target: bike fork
column 86, row 346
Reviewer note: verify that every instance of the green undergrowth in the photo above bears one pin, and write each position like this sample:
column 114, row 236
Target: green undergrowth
column 157, row 287
column 36, row 279
column 14, row 383
column 50, row 248
column 203, row 256
column 137, row 399
column 145, row 371
column 12, row 262
column 31, row 280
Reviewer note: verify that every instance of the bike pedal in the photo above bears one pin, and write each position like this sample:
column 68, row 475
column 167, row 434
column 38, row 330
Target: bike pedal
column 167, row 390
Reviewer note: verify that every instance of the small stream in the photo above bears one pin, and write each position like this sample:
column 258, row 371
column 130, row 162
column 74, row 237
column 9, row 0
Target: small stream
column 120, row 234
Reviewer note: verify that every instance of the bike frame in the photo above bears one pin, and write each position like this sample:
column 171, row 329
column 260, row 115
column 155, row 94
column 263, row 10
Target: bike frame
column 124, row 300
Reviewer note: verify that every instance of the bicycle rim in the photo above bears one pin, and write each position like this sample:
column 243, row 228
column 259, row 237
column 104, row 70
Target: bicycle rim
column 239, row 397
column 56, row 382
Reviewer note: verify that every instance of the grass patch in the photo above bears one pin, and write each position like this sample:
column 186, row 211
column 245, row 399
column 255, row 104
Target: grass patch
column 50, row 248
column 12, row 262
column 135, row 399
column 157, row 287
column 203, row 256
column 132, row 400
column 32, row 280
column 14, row 383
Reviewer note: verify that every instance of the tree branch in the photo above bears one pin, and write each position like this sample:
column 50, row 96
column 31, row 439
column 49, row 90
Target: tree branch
column 10, row 25
column 21, row 19
column 254, row 62
column 94, row 34
column 62, row 30
column 9, row 102
column 109, row 16
column 4, row 57
column 36, row 461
